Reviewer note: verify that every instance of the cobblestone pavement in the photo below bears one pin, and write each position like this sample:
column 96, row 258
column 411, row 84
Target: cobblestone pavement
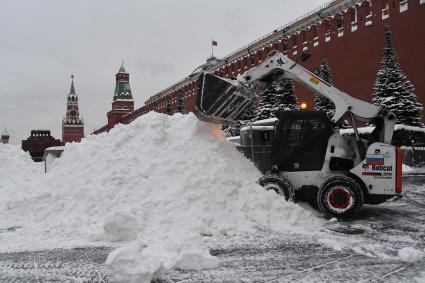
column 58, row 265
column 300, row 263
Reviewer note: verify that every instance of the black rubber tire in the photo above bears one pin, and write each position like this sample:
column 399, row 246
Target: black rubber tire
column 341, row 197
column 280, row 185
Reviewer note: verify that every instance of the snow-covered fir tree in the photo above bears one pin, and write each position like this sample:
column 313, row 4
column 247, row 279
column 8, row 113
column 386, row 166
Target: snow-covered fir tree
column 285, row 95
column 279, row 96
column 322, row 103
column 180, row 108
column 393, row 90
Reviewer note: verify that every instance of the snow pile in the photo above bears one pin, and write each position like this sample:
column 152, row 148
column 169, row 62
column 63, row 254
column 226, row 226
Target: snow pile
column 17, row 172
column 197, row 261
column 166, row 181
column 127, row 264
column 196, row 257
column 19, row 181
column 410, row 255
column 120, row 227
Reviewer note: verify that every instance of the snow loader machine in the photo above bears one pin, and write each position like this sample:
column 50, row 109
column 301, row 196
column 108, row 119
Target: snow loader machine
column 301, row 153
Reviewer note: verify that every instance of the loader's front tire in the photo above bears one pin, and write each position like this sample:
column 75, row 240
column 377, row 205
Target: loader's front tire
column 341, row 197
column 280, row 185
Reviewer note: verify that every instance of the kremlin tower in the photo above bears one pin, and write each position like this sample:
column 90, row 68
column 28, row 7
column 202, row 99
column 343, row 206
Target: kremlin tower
column 122, row 102
column 72, row 124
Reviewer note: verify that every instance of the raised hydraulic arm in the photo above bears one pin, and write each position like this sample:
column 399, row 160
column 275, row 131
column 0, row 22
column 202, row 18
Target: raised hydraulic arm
column 231, row 98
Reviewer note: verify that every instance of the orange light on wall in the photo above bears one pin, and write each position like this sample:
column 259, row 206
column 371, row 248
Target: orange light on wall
column 303, row 106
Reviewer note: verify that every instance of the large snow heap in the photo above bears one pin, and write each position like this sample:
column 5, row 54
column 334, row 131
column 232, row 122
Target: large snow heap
column 16, row 171
column 164, row 182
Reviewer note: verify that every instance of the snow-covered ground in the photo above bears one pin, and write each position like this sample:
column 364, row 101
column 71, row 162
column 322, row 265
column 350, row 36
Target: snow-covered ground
column 164, row 191
column 268, row 256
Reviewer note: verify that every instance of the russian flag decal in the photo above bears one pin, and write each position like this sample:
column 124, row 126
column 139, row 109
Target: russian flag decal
column 375, row 160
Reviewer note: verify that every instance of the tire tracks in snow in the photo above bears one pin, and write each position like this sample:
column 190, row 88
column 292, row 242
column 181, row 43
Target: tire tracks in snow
column 317, row 266
column 384, row 276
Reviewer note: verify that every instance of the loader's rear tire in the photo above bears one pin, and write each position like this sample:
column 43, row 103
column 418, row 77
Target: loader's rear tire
column 341, row 197
column 280, row 185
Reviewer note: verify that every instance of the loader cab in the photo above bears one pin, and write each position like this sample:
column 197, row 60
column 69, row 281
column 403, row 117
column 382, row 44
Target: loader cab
column 301, row 140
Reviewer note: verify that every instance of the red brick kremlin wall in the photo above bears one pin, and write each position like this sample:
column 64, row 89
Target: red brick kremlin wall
column 355, row 57
column 349, row 35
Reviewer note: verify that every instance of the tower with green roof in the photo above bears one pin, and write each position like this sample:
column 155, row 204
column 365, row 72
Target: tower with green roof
column 122, row 102
column 72, row 124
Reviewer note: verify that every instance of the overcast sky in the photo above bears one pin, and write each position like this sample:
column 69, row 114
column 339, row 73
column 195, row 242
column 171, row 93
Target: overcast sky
column 43, row 42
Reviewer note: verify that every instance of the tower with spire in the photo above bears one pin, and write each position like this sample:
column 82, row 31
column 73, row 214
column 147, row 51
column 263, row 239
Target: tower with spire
column 72, row 124
column 122, row 102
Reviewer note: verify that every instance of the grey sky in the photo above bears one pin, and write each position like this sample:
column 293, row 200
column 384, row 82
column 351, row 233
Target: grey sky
column 43, row 42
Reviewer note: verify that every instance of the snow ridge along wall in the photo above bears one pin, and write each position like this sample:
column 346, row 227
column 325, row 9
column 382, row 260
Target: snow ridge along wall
column 166, row 181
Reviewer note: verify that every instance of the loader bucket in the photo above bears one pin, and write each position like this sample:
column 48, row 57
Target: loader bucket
column 221, row 100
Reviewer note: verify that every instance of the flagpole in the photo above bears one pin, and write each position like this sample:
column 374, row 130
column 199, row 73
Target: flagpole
column 213, row 43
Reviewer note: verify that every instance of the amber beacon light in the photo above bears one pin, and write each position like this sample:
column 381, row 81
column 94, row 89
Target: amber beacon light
column 303, row 106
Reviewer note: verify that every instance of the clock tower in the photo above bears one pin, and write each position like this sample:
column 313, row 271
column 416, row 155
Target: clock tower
column 72, row 124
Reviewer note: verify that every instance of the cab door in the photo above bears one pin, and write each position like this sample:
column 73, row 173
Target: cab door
column 301, row 140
